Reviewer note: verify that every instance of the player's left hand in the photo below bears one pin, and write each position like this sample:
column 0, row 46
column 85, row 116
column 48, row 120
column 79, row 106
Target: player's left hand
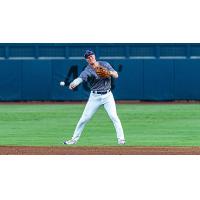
column 102, row 72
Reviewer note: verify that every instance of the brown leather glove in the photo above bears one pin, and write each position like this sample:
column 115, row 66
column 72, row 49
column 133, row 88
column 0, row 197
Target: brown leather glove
column 102, row 72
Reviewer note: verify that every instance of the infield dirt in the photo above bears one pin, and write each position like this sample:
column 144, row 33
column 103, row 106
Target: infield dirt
column 123, row 150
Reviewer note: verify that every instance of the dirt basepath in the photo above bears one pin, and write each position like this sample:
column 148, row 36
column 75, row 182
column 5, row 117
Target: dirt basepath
column 122, row 150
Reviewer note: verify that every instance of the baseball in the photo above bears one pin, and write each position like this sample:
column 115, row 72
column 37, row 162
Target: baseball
column 62, row 83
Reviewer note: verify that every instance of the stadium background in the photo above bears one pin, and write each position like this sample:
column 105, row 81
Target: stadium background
column 148, row 73
column 154, row 72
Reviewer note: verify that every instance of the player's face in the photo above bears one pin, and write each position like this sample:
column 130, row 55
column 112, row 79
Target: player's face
column 91, row 59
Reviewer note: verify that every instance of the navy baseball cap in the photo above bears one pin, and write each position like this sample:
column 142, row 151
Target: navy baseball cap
column 88, row 53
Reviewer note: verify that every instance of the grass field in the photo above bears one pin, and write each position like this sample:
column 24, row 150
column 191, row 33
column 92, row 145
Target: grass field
column 144, row 125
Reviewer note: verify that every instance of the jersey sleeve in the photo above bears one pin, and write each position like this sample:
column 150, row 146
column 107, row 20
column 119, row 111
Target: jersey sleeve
column 108, row 66
column 84, row 75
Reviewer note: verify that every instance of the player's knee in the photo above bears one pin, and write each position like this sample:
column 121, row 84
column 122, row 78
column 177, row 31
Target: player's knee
column 85, row 119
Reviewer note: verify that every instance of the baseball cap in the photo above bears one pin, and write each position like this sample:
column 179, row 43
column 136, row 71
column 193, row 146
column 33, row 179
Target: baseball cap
column 88, row 53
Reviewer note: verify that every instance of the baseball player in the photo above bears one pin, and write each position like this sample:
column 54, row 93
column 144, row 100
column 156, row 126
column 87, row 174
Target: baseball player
column 98, row 75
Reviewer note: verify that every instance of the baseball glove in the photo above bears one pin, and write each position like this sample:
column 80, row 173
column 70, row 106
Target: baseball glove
column 102, row 72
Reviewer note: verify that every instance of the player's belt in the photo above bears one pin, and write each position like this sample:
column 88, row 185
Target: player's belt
column 97, row 92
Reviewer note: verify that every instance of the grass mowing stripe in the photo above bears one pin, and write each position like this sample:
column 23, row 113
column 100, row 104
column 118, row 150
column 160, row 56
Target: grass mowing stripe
column 144, row 125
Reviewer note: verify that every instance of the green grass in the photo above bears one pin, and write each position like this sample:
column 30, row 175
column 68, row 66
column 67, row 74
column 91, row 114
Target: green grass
column 144, row 125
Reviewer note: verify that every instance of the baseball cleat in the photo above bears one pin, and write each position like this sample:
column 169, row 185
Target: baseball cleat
column 70, row 142
column 120, row 141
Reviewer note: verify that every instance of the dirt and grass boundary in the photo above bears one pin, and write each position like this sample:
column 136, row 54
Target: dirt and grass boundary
column 84, row 102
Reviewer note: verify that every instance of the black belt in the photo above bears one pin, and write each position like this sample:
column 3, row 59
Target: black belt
column 97, row 92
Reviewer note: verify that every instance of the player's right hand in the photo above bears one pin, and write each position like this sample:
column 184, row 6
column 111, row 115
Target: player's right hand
column 72, row 86
column 75, row 83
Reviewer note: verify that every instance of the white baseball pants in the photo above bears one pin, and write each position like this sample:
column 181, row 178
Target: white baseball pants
column 94, row 102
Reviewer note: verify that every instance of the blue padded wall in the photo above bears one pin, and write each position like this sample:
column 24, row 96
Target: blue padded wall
column 187, row 79
column 36, row 80
column 158, row 80
column 30, row 72
column 10, row 80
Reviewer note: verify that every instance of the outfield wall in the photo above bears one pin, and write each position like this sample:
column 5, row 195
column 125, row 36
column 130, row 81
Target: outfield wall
column 146, row 71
